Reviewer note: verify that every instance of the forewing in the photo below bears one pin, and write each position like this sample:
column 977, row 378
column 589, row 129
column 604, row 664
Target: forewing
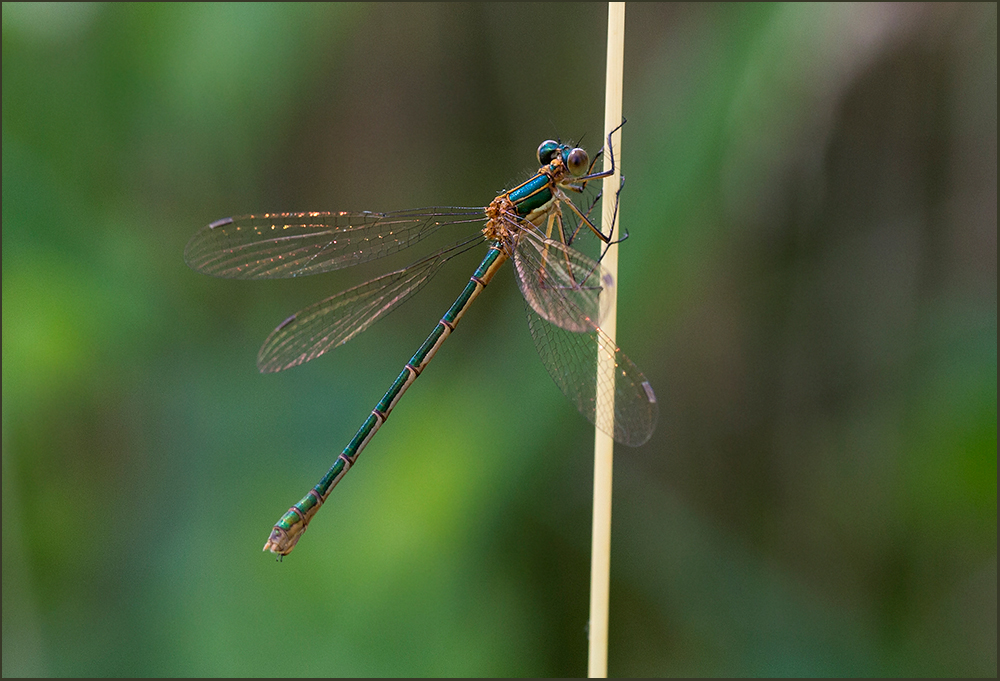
column 281, row 245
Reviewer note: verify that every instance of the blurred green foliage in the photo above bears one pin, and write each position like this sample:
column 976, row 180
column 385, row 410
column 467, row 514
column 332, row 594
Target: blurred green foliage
column 810, row 285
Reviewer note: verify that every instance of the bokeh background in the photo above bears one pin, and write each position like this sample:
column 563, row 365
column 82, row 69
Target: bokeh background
column 810, row 285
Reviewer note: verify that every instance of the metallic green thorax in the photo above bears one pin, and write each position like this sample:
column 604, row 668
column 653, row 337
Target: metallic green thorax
column 531, row 195
column 290, row 527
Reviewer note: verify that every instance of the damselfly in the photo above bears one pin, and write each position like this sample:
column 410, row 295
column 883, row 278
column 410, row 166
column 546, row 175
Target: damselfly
column 561, row 287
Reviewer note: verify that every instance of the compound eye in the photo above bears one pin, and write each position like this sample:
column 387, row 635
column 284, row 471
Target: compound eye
column 578, row 161
column 547, row 150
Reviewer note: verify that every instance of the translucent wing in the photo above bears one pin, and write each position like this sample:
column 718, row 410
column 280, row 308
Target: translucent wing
column 311, row 332
column 561, row 284
column 280, row 245
column 571, row 359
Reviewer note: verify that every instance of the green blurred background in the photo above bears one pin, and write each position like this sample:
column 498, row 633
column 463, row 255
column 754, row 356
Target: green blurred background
column 810, row 285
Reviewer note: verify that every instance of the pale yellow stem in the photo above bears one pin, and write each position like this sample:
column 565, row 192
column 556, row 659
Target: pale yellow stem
column 600, row 557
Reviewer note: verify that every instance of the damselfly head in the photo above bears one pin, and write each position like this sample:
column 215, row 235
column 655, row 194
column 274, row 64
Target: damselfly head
column 574, row 158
